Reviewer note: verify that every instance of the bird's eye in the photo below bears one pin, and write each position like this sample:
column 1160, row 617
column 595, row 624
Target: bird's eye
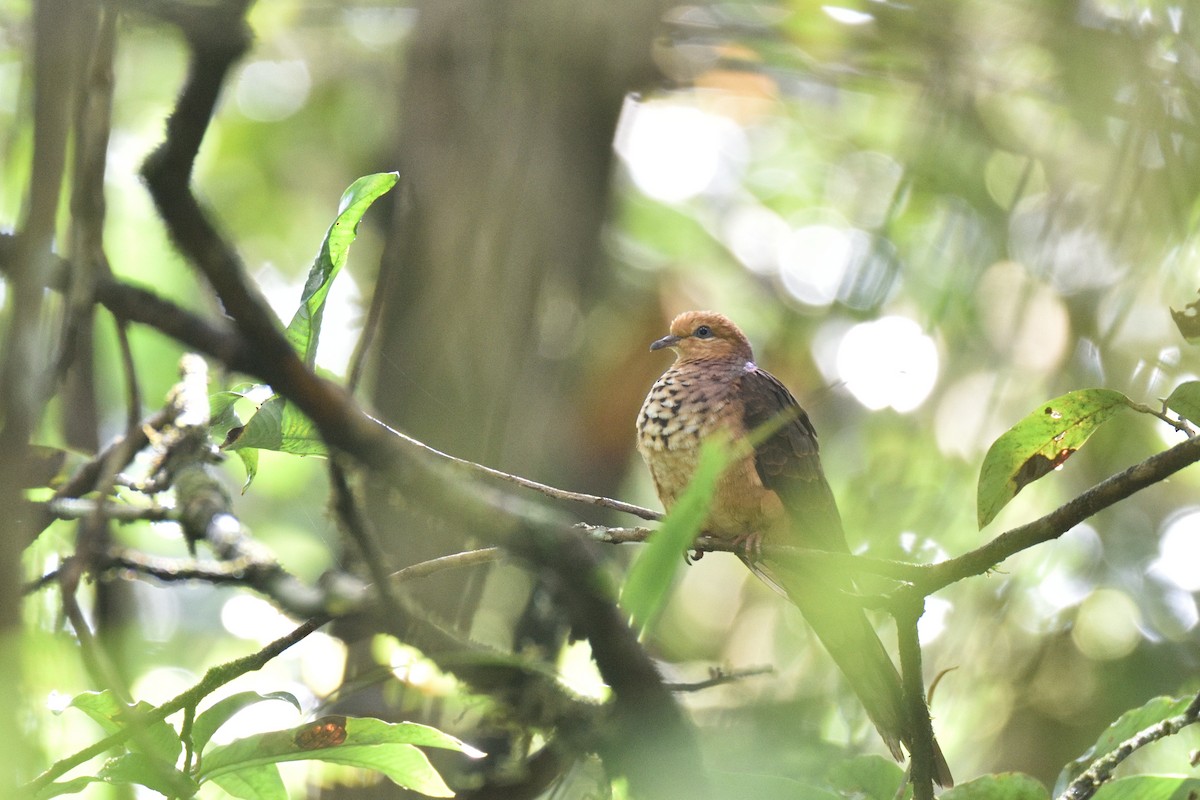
column 703, row 332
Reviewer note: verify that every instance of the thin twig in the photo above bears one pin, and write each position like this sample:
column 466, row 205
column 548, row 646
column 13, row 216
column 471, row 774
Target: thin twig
column 549, row 491
column 469, row 558
column 1178, row 423
column 720, row 677
column 76, row 508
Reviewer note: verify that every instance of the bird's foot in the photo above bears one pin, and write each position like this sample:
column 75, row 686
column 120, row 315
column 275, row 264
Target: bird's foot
column 749, row 545
column 692, row 556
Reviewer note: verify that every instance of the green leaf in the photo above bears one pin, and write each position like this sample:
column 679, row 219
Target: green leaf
column 870, row 777
column 225, row 420
column 368, row 730
column 366, row 743
column 261, row 782
column 153, row 773
column 218, row 714
column 1041, row 442
column 1002, row 786
column 1150, row 787
column 158, row 739
column 135, row 768
column 73, row 786
column 1185, row 401
column 305, row 328
column 652, row 574
column 278, row 426
column 1126, row 726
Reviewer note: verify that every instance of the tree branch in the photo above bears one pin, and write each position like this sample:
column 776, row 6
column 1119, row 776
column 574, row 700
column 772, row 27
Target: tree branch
column 1146, row 473
column 1101, row 771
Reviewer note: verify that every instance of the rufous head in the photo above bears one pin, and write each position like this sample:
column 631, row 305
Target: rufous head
column 706, row 336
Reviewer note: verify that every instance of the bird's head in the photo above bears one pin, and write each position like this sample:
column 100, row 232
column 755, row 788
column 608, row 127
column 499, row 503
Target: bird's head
column 706, row 336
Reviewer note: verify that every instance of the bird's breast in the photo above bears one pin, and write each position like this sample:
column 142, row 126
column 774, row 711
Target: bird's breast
column 679, row 413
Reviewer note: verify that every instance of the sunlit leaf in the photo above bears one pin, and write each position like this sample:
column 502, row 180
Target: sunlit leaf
column 207, row 722
column 367, row 730
column 153, row 773
column 1185, row 401
column 1040, row 443
column 871, row 777
column 1150, row 787
column 158, row 739
column 650, row 578
column 259, row 782
column 73, row 786
column 366, row 743
column 129, row 768
column 1127, row 725
column 1002, row 786
column 305, row 328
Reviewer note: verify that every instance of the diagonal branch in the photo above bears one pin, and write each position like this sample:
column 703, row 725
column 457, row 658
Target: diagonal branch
column 1146, row 473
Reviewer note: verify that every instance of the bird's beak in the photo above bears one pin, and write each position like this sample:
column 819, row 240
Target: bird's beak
column 666, row 341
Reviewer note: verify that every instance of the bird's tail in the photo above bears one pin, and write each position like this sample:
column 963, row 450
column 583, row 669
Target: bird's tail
column 846, row 633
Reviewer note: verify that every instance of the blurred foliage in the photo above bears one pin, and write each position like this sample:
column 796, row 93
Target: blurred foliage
column 1018, row 178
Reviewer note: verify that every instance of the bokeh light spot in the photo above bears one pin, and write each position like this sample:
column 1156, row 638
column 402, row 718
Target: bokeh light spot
column 814, row 259
column 268, row 91
column 1107, row 625
column 1179, row 552
column 249, row 617
column 676, row 152
column 933, row 622
column 1025, row 320
column 847, row 16
column 888, row 362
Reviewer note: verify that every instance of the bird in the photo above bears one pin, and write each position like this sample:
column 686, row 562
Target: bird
column 774, row 492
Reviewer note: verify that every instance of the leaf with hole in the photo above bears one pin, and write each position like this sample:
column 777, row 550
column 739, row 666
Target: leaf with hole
column 388, row 748
column 1188, row 321
column 1040, row 443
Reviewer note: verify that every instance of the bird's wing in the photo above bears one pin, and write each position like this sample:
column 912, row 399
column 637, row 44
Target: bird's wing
column 788, row 463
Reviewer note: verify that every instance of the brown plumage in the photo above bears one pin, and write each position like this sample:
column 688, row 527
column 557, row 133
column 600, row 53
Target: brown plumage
column 777, row 494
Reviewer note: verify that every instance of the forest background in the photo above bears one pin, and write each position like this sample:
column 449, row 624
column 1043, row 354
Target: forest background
column 930, row 218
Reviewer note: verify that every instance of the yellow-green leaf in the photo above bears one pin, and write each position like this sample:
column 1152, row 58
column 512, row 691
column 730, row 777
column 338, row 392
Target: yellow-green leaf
column 1040, row 443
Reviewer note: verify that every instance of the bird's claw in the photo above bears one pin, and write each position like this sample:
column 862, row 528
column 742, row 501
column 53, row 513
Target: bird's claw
column 749, row 545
